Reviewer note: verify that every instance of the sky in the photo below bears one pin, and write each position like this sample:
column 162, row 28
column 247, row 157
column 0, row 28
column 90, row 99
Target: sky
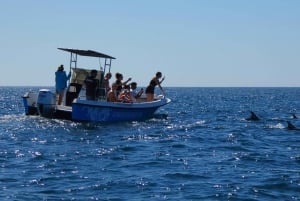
column 194, row 43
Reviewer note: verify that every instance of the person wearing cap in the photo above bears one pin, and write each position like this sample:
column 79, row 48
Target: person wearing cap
column 61, row 79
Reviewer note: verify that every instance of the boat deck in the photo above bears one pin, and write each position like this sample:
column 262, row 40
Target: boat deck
column 64, row 108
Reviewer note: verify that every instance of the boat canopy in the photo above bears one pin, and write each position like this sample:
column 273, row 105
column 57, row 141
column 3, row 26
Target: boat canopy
column 88, row 53
column 80, row 74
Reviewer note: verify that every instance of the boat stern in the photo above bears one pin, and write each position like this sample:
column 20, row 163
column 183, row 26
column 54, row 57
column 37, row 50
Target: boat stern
column 30, row 103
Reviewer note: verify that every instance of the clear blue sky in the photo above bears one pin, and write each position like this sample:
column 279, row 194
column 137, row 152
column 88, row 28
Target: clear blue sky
column 196, row 43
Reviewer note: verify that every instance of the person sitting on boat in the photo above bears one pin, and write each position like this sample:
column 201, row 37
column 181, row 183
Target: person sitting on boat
column 151, row 87
column 134, row 94
column 61, row 79
column 125, row 95
column 91, row 84
column 112, row 94
column 119, row 83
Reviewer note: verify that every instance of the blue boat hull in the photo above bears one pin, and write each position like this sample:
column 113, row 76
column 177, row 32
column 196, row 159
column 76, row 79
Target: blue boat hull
column 112, row 112
column 90, row 111
column 109, row 114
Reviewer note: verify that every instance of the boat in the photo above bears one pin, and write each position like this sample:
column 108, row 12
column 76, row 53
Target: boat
column 76, row 107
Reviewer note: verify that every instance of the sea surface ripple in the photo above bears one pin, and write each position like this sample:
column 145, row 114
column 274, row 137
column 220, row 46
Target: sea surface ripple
column 199, row 147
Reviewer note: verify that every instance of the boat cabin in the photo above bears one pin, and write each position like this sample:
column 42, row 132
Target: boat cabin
column 79, row 74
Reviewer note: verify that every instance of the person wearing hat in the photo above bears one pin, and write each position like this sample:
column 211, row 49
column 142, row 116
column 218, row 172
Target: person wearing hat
column 61, row 79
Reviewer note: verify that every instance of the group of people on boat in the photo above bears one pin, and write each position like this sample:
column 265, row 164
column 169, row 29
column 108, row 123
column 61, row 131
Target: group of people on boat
column 123, row 91
column 127, row 94
column 119, row 91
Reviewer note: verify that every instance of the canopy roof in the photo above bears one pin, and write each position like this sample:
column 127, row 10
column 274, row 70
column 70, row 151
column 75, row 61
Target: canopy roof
column 88, row 53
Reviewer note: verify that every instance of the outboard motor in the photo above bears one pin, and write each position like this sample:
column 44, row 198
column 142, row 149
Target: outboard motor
column 29, row 102
column 46, row 103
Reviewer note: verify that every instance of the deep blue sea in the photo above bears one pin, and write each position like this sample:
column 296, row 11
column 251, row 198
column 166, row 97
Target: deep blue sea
column 199, row 147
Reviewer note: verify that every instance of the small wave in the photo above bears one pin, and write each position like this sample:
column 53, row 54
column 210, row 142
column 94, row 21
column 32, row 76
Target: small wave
column 187, row 176
column 160, row 116
column 276, row 126
column 181, row 146
column 189, row 126
column 11, row 117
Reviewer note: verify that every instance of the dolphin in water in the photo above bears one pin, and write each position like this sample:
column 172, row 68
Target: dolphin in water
column 253, row 117
column 294, row 116
column 290, row 126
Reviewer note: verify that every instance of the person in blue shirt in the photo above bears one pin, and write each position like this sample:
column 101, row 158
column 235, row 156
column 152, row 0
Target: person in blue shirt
column 61, row 79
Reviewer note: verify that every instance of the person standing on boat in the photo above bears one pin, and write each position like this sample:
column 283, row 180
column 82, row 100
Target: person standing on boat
column 91, row 85
column 61, row 79
column 151, row 87
column 119, row 83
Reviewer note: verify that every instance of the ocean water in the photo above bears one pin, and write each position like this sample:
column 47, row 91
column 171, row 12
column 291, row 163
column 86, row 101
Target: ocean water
column 199, row 147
